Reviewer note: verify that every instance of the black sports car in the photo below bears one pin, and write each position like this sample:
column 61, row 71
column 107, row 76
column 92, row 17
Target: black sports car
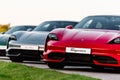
column 30, row 45
column 4, row 37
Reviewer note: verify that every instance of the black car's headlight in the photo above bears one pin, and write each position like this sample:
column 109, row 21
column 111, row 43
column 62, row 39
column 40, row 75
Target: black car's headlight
column 115, row 41
column 52, row 36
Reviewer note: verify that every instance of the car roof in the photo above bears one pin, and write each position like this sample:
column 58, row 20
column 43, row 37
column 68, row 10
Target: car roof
column 104, row 16
column 61, row 21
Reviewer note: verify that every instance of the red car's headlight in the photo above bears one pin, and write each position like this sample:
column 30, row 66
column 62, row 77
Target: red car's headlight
column 115, row 41
column 52, row 36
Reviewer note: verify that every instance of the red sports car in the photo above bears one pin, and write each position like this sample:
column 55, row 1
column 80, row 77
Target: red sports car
column 95, row 41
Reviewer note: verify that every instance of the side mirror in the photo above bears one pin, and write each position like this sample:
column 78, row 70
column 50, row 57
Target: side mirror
column 69, row 27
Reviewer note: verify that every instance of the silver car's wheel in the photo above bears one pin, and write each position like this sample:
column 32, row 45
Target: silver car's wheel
column 16, row 59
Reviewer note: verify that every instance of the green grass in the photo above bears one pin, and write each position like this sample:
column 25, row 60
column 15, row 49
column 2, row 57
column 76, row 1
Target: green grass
column 14, row 71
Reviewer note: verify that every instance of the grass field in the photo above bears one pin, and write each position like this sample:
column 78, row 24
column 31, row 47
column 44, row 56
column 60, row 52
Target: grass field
column 14, row 71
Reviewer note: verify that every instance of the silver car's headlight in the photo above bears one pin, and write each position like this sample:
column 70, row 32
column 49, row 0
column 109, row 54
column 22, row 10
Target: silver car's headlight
column 12, row 37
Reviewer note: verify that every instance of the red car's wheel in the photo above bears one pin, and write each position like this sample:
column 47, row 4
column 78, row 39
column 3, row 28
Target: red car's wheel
column 98, row 67
column 56, row 65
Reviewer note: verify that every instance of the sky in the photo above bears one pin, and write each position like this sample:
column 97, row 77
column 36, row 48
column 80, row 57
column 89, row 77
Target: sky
column 19, row 12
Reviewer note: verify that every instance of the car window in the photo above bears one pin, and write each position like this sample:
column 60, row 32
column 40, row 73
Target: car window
column 87, row 24
column 19, row 28
column 13, row 29
column 93, row 23
column 105, row 22
column 50, row 25
column 99, row 25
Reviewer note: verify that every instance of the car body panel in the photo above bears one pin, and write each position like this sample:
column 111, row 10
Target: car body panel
column 32, row 37
column 30, row 45
column 79, row 46
column 4, row 37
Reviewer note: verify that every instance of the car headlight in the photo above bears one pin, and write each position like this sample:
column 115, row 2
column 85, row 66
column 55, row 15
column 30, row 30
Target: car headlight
column 12, row 37
column 115, row 41
column 52, row 36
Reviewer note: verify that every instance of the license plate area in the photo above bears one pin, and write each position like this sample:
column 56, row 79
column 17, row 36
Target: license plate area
column 78, row 50
column 29, row 47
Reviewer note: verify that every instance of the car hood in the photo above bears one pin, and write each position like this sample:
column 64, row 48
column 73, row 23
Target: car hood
column 4, row 39
column 33, row 37
column 88, row 36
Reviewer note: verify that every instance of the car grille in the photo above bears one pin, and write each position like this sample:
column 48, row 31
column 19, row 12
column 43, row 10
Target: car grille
column 56, row 56
column 25, row 53
column 105, row 59
column 70, row 57
column 78, row 57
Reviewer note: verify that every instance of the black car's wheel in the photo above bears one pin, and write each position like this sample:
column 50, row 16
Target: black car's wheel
column 16, row 59
column 98, row 67
column 56, row 65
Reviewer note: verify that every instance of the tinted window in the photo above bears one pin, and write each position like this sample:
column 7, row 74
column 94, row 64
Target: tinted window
column 100, row 22
column 19, row 28
column 48, row 26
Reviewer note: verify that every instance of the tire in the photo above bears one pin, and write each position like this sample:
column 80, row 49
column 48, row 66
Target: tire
column 55, row 65
column 98, row 67
column 16, row 59
column 117, row 69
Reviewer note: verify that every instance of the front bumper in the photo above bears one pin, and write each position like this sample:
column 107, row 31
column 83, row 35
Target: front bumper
column 3, row 50
column 25, row 54
column 99, row 57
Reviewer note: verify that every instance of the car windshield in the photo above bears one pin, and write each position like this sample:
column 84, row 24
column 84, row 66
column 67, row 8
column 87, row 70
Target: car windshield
column 19, row 28
column 50, row 25
column 100, row 22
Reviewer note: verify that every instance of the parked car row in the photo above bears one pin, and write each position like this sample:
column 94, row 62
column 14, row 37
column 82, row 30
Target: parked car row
column 94, row 41
column 24, row 45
